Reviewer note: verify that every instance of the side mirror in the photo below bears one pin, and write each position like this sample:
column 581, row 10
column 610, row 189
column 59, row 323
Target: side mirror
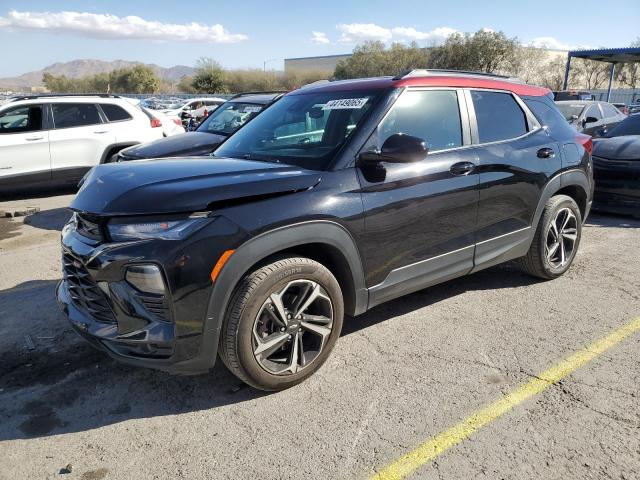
column 398, row 148
column 590, row 120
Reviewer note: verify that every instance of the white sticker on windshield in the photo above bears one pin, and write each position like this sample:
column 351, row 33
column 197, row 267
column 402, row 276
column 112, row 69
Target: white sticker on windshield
column 345, row 103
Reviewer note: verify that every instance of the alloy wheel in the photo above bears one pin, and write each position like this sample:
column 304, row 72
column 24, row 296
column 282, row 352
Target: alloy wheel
column 562, row 234
column 292, row 327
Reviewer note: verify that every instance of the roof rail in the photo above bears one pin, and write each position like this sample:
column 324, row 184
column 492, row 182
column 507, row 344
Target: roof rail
column 50, row 95
column 264, row 92
column 423, row 72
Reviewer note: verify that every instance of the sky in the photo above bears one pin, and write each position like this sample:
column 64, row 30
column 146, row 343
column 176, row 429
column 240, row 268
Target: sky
column 248, row 33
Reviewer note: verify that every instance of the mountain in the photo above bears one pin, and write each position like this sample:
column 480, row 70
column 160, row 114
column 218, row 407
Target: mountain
column 81, row 68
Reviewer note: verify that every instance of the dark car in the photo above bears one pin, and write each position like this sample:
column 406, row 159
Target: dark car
column 634, row 108
column 336, row 198
column 591, row 118
column 572, row 95
column 616, row 163
column 214, row 130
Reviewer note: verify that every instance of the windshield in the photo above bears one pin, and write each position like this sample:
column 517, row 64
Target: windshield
column 229, row 117
column 570, row 109
column 629, row 126
column 303, row 129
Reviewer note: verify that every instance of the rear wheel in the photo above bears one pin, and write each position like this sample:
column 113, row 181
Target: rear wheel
column 556, row 240
column 282, row 323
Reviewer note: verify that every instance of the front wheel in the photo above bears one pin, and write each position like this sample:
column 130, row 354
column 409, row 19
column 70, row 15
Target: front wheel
column 556, row 240
column 282, row 323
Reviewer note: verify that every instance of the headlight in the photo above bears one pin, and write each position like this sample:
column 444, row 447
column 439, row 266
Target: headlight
column 125, row 229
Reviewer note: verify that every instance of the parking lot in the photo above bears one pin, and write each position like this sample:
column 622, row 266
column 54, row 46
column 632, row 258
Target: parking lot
column 400, row 374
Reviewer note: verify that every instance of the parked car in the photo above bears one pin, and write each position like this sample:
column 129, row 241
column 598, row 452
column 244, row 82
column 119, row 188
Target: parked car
column 212, row 132
column 572, row 95
column 54, row 140
column 616, row 163
column 591, row 118
column 171, row 124
column 622, row 107
column 634, row 108
column 336, row 198
column 194, row 108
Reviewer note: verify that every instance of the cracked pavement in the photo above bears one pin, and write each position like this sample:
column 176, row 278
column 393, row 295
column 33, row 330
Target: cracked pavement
column 400, row 374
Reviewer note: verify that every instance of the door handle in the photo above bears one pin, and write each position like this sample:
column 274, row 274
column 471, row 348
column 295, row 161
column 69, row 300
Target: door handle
column 546, row 153
column 33, row 139
column 101, row 131
column 462, row 168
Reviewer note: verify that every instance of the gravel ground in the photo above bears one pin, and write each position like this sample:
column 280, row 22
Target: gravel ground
column 400, row 374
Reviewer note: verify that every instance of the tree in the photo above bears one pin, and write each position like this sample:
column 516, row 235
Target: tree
column 139, row 79
column 483, row 51
column 209, row 77
column 372, row 59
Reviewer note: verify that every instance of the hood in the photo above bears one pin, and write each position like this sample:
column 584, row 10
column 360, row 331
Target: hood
column 184, row 185
column 626, row 147
column 183, row 144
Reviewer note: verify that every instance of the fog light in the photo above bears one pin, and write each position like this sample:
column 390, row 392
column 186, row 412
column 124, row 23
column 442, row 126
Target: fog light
column 146, row 278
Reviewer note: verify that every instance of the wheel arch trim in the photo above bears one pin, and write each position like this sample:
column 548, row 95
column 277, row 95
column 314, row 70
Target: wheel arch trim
column 269, row 243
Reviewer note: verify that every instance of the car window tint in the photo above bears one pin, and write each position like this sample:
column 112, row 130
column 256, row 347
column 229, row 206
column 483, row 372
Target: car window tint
column 25, row 118
column 229, row 117
column 67, row 115
column 432, row 115
column 114, row 113
column 498, row 115
column 593, row 111
column 609, row 110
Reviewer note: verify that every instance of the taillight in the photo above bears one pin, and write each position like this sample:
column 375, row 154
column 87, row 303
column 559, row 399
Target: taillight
column 177, row 121
column 585, row 141
column 155, row 122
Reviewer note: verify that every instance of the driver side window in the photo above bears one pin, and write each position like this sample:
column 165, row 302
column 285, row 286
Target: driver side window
column 593, row 111
column 25, row 118
column 432, row 115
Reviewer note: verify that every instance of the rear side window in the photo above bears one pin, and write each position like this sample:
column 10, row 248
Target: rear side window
column 25, row 118
column 498, row 115
column 609, row 110
column 432, row 115
column 115, row 113
column 550, row 117
column 66, row 115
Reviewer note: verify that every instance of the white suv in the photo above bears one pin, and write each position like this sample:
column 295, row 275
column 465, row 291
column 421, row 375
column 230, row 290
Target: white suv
column 54, row 140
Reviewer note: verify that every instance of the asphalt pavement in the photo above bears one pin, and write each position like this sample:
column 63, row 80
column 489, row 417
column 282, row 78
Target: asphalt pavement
column 400, row 375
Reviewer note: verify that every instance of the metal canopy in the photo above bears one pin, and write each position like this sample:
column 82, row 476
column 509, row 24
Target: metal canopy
column 608, row 55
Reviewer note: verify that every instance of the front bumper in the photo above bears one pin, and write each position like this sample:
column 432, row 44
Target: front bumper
column 120, row 323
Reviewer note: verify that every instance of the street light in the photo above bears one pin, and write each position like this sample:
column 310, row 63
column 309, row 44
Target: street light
column 264, row 64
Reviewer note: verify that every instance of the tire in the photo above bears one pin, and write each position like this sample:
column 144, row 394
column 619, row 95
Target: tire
column 254, row 316
column 547, row 263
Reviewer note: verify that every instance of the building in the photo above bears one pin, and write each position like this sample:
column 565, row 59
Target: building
column 327, row 63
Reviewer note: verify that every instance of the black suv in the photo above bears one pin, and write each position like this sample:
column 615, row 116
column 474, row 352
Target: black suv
column 214, row 130
column 337, row 198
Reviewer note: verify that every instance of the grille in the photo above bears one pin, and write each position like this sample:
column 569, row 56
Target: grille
column 88, row 226
column 84, row 292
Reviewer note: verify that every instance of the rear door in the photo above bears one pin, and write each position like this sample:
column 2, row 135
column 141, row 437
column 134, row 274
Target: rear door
column 24, row 146
column 420, row 217
column 79, row 139
column 516, row 157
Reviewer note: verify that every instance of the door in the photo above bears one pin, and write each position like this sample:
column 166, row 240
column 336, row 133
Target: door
column 515, row 158
column 78, row 141
column 420, row 217
column 24, row 146
column 611, row 117
column 596, row 122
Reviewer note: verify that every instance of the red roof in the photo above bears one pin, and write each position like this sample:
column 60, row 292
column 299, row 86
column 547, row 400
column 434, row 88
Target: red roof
column 436, row 80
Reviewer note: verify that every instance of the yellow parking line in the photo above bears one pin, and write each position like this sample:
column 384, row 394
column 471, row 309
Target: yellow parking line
column 442, row 442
